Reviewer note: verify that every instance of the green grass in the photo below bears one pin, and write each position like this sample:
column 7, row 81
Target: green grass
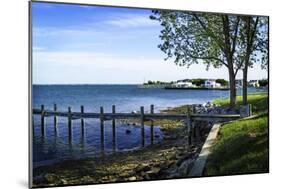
column 259, row 102
column 242, row 146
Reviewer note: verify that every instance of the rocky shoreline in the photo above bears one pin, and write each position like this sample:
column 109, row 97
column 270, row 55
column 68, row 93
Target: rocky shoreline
column 172, row 158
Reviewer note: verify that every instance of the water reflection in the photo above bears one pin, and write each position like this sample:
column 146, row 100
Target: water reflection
column 52, row 144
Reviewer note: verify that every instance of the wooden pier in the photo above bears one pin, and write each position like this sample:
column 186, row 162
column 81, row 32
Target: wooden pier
column 189, row 119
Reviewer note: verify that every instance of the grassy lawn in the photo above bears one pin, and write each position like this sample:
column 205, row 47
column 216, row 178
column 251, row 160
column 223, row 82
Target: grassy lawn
column 259, row 102
column 242, row 146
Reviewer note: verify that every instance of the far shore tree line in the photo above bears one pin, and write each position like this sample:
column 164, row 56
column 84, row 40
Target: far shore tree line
column 200, row 81
column 234, row 41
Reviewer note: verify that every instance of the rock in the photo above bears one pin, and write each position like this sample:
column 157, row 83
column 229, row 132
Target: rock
column 143, row 167
column 172, row 171
column 152, row 173
column 183, row 168
column 154, row 170
column 128, row 131
column 125, row 174
column 52, row 179
column 105, row 178
column 133, row 178
column 64, row 181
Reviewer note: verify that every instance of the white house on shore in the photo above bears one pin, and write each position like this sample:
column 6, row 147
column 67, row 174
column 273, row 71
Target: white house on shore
column 253, row 83
column 183, row 84
column 211, row 83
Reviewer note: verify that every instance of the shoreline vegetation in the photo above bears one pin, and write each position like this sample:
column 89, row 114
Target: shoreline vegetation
column 200, row 83
column 171, row 158
column 242, row 146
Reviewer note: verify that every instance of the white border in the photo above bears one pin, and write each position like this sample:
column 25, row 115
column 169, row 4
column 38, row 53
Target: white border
column 14, row 92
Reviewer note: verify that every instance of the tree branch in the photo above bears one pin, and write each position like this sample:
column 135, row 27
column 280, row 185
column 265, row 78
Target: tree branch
column 235, row 36
column 209, row 32
column 207, row 57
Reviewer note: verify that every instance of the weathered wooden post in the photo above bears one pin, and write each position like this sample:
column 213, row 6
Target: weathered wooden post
column 193, row 130
column 42, row 120
column 55, row 118
column 142, row 124
column 151, row 127
column 82, row 121
column 113, row 129
column 245, row 110
column 193, row 109
column 102, row 128
column 69, row 124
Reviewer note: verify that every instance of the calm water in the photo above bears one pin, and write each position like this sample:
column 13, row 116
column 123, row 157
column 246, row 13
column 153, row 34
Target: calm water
column 55, row 146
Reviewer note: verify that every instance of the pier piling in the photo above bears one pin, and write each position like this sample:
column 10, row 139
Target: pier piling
column 69, row 124
column 82, row 121
column 102, row 127
column 113, row 130
column 142, row 124
column 152, row 124
column 42, row 120
column 55, row 118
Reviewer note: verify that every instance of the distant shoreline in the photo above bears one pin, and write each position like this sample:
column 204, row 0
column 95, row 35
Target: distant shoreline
column 194, row 88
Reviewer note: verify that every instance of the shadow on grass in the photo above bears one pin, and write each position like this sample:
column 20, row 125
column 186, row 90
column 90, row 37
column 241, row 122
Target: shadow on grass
column 242, row 147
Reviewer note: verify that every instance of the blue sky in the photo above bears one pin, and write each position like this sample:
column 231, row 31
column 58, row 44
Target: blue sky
column 75, row 44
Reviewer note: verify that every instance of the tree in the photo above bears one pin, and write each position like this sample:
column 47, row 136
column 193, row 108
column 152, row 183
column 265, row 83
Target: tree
column 211, row 39
column 223, row 82
column 263, row 82
column 254, row 42
column 208, row 38
column 198, row 82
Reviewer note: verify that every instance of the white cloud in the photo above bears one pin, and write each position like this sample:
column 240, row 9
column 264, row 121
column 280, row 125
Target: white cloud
column 87, row 67
column 53, row 31
column 132, row 20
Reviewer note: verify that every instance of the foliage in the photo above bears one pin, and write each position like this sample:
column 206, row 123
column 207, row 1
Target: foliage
column 198, row 82
column 214, row 40
column 253, row 41
column 259, row 102
column 149, row 82
column 242, row 146
column 223, row 82
column 263, row 82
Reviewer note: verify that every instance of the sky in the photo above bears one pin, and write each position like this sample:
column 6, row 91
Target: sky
column 78, row 44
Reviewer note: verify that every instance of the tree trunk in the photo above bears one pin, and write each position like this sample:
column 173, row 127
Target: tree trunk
column 245, row 85
column 232, row 87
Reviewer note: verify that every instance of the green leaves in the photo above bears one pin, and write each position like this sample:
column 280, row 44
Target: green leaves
column 214, row 39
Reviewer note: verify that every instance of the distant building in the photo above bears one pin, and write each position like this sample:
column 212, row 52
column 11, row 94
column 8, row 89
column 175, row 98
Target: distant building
column 253, row 83
column 211, row 83
column 183, row 84
column 239, row 83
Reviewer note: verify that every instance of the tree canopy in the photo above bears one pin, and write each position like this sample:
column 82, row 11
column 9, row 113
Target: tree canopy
column 212, row 39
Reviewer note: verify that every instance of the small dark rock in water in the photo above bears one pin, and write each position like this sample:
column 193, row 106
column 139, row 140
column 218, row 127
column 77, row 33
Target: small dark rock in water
column 128, row 123
column 134, row 123
column 156, row 136
column 128, row 131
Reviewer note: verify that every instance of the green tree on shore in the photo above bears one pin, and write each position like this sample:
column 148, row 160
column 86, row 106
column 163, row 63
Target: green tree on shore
column 253, row 43
column 208, row 38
